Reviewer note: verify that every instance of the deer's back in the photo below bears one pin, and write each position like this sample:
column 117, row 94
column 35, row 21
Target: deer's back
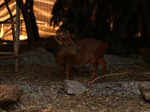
column 85, row 52
column 91, row 49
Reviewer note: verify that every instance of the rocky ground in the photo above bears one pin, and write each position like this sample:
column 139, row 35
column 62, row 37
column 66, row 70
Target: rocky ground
column 44, row 90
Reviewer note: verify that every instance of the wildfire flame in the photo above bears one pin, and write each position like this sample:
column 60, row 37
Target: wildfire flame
column 23, row 37
column 111, row 26
column 2, row 31
column 139, row 34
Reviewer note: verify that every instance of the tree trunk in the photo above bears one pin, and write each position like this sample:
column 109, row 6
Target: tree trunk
column 16, row 40
column 146, row 13
column 29, row 18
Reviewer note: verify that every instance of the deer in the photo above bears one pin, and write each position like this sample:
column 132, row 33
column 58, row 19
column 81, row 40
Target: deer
column 79, row 52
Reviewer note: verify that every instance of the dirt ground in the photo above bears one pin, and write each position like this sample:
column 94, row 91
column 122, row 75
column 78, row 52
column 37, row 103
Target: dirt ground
column 43, row 87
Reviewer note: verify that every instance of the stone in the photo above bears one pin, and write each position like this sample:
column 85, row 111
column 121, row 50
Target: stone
column 145, row 91
column 144, row 85
column 74, row 87
column 1, row 110
column 9, row 94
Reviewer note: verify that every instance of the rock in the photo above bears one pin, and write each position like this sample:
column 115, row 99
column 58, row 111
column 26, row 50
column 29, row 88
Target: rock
column 113, row 88
column 1, row 110
column 74, row 87
column 145, row 91
column 9, row 94
column 38, row 56
column 146, row 94
column 144, row 85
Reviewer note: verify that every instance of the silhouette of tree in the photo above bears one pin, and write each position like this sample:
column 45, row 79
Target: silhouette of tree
column 29, row 18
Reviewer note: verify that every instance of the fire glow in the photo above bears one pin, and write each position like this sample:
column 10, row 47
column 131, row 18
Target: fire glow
column 139, row 35
column 22, row 37
column 2, row 31
column 42, row 12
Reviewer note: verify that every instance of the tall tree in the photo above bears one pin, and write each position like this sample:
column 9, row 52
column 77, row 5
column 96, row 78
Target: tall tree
column 29, row 18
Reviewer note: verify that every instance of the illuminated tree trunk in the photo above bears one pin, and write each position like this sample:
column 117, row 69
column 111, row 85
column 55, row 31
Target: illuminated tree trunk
column 29, row 18
column 12, row 20
column 16, row 39
column 15, row 35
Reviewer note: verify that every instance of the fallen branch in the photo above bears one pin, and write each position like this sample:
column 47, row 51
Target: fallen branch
column 107, row 75
column 131, row 73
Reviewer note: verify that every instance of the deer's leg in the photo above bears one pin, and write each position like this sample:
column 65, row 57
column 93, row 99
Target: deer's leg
column 93, row 73
column 67, row 71
column 94, row 70
column 103, row 62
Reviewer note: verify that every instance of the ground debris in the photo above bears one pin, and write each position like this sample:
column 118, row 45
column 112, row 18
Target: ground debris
column 43, row 87
column 74, row 87
column 145, row 91
column 9, row 94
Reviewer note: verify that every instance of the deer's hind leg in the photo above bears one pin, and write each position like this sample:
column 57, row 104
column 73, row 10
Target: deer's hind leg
column 95, row 69
column 93, row 72
column 104, row 64
column 96, row 64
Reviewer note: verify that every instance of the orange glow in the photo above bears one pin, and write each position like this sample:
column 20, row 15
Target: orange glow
column 2, row 31
column 24, row 1
column 110, row 22
column 42, row 11
column 49, row 2
column 22, row 37
column 4, row 12
column 139, row 34
column 111, row 26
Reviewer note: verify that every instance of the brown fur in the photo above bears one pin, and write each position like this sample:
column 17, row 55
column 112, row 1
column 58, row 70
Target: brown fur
column 86, row 51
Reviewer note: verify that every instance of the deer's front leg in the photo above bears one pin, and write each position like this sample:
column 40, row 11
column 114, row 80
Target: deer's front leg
column 67, row 71
column 93, row 72
column 103, row 63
